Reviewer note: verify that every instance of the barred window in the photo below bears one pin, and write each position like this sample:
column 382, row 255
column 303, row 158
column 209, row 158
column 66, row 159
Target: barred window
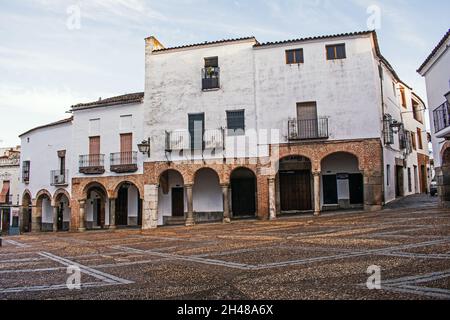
column 388, row 132
column 236, row 122
column 402, row 137
column 26, row 171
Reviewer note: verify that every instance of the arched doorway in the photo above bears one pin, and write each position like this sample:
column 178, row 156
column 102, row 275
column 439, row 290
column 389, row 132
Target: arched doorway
column 96, row 207
column 171, row 199
column 342, row 182
column 444, row 177
column 128, row 206
column 44, row 213
column 295, row 185
column 62, row 203
column 207, row 196
column 26, row 212
column 243, row 193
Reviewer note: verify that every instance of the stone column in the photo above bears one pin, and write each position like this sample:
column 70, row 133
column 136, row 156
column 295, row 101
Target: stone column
column 55, row 219
column 36, row 219
column 112, row 213
column 317, row 208
column 82, row 223
column 373, row 190
column 272, row 199
column 150, row 207
column 226, row 203
column 190, row 221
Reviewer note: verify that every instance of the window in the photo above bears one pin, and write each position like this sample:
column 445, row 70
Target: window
column 294, row 56
column 126, row 122
column 388, row 174
column 26, row 171
column 402, row 137
column 335, row 52
column 413, row 140
column 394, row 88
column 417, row 111
column 409, row 180
column 211, row 74
column 94, row 151
column 236, row 122
column 94, row 127
column 62, row 161
column 419, row 137
column 388, row 132
column 403, row 94
column 212, row 62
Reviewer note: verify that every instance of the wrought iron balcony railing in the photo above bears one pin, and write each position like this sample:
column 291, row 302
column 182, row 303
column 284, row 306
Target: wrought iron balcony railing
column 308, row 129
column 210, row 78
column 123, row 162
column 59, row 177
column 182, row 140
column 92, row 164
column 442, row 117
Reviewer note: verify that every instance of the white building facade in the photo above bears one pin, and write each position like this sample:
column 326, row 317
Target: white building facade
column 9, row 188
column 436, row 71
column 236, row 129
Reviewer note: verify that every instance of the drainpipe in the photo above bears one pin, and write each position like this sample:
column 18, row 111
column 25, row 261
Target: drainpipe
column 383, row 111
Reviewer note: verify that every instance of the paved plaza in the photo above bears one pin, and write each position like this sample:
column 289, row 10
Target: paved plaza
column 290, row 258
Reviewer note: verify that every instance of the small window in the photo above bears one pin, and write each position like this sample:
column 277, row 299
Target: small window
column 403, row 94
column 388, row 174
column 419, row 138
column 26, row 171
column 394, row 89
column 212, row 62
column 414, row 141
column 294, row 56
column 335, row 52
column 236, row 122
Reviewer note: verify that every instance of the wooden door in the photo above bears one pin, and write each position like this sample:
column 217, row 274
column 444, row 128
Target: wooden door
column 197, row 130
column 60, row 217
column 243, row 195
column 330, row 192
column 122, row 207
column 94, row 151
column 356, row 188
column 126, row 148
column 295, row 191
column 178, row 202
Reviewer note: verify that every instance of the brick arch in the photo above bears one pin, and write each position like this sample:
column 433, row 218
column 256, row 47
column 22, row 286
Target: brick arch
column 194, row 176
column 27, row 193
column 42, row 193
column 138, row 186
column 342, row 152
column 180, row 171
column 230, row 173
column 93, row 184
column 445, row 154
column 59, row 193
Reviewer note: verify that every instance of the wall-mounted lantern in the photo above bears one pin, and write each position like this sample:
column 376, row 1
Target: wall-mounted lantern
column 144, row 147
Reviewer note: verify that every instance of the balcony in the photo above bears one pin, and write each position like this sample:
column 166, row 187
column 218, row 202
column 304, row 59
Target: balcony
column 59, row 178
column 9, row 162
column 210, row 78
column 181, row 140
column 441, row 118
column 92, row 164
column 123, row 162
column 308, row 129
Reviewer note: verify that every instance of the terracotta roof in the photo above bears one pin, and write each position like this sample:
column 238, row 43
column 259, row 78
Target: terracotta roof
column 206, row 43
column 435, row 50
column 68, row 120
column 123, row 99
column 314, row 38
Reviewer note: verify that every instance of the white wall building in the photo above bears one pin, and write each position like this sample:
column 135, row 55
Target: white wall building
column 436, row 70
column 9, row 187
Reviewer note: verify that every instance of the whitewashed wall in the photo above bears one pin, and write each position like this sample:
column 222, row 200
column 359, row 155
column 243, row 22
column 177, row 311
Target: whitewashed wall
column 41, row 147
column 108, row 127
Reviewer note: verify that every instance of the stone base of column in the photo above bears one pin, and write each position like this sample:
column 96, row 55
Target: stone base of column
column 190, row 222
column 81, row 229
column 112, row 227
column 317, row 214
column 226, row 220
column 373, row 208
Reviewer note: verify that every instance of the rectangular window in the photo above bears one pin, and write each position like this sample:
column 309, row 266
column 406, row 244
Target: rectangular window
column 26, row 171
column 394, row 89
column 403, row 94
column 419, row 138
column 126, row 148
column 388, row 174
column 212, row 62
column 388, row 132
column 294, row 56
column 236, row 123
column 409, row 180
column 335, row 52
column 414, row 141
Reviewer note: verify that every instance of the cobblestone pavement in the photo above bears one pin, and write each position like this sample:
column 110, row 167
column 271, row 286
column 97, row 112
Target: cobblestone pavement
column 291, row 258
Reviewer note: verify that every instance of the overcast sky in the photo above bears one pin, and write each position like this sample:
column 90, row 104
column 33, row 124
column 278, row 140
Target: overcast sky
column 50, row 60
